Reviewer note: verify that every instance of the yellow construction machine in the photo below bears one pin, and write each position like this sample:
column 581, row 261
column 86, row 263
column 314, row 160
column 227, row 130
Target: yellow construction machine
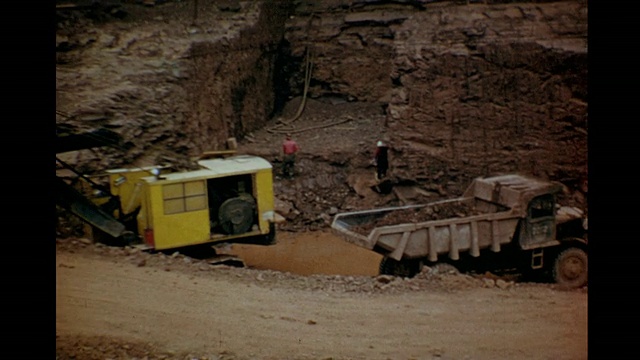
column 226, row 198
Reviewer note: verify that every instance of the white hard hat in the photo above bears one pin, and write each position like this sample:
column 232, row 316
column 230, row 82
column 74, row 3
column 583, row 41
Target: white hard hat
column 380, row 143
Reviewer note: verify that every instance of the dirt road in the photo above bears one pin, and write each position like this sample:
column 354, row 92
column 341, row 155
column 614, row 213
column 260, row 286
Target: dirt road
column 121, row 304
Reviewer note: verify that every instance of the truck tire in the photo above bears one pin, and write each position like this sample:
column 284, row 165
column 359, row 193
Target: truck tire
column 404, row 268
column 570, row 268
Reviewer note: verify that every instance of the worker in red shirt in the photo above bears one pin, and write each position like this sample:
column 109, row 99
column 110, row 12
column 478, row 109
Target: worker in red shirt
column 289, row 148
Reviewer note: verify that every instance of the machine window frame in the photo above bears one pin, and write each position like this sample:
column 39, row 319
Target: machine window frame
column 184, row 197
column 542, row 206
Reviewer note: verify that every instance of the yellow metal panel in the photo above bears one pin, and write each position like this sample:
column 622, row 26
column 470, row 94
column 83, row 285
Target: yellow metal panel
column 144, row 216
column 264, row 197
column 156, row 204
column 187, row 228
column 176, row 230
column 122, row 183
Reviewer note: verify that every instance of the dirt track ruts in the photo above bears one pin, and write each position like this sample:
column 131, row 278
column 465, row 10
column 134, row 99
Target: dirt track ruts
column 209, row 313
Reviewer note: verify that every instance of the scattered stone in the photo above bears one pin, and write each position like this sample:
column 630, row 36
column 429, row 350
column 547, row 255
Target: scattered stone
column 385, row 279
column 230, row 6
column 502, row 284
column 382, row 286
column 421, row 214
column 488, row 283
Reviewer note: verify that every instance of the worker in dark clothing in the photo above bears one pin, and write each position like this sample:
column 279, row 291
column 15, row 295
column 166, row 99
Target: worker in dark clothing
column 289, row 149
column 381, row 159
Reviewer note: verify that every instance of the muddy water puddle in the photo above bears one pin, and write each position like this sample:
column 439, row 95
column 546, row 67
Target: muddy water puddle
column 309, row 253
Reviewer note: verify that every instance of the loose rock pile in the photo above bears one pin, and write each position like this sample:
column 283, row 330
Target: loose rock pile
column 421, row 214
column 437, row 278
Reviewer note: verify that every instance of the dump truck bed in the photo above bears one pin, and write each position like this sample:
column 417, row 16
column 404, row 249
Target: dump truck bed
column 469, row 229
column 486, row 216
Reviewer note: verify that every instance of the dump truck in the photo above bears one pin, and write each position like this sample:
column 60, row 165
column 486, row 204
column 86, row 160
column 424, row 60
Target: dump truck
column 506, row 221
column 224, row 197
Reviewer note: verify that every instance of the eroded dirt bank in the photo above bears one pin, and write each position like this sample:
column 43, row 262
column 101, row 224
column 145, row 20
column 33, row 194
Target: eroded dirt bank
column 172, row 80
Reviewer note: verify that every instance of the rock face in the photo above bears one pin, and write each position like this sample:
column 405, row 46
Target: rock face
column 459, row 89
column 490, row 86
column 168, row 78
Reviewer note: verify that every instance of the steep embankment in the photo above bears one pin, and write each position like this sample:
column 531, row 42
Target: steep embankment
column 471, row 88
column 170, row 80
column 460, row 89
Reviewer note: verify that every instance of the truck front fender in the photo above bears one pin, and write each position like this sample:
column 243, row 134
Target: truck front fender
column 580, row 242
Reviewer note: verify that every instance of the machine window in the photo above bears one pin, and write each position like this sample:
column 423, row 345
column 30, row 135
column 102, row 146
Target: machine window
column 542, row 206
column 183, row 197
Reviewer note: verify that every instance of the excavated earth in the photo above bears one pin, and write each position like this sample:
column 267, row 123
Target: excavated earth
column 418, row 215
column 459, row 89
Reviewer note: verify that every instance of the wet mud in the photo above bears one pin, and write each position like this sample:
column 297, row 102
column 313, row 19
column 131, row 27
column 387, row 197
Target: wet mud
column 309, row 253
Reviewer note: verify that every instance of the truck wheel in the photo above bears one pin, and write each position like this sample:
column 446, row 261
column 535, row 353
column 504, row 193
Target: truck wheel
column 570, row 268
column 403, row 268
